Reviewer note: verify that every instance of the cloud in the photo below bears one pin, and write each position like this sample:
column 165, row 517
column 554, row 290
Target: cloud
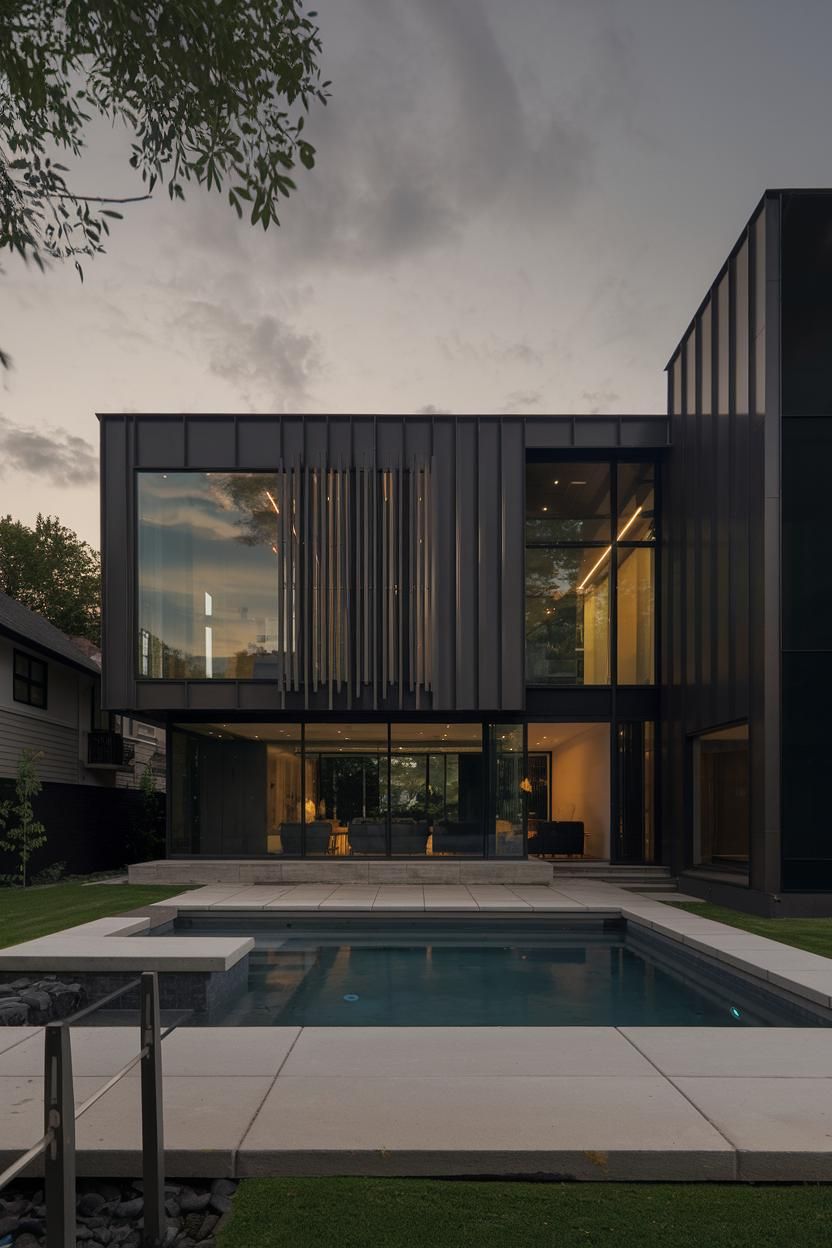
column 430, row 409
column 600, row 402
column 261, row 354
column 51, row 454
column 436, row 121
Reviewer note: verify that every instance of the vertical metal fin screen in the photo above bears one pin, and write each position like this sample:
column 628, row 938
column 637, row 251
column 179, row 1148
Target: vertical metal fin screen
column 355, row 581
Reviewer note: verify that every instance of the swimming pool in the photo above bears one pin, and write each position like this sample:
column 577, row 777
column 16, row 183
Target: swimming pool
column 375, row 973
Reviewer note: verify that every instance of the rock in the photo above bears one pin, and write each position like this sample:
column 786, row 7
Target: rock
column 220, row 1204
column 82, row 1232
column 38, row 1000
column 90, row 1203
column 170, row 1236
column 192, row 1224
column 14, row 1206
column 223, row 1187
column 208, row 1224
column 9, row 1223
column 104, row 1235
column 20, row 983
column 13, row 1013
column 109, row 1191
column 118, row 1234
column 130, row 1208
column 191, row 1202
column 172, row 1208
column 26, row 1241
column 31, row 1226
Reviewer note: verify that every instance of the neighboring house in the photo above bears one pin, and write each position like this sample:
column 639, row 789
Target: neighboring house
column 50, row 702
column 491, row 636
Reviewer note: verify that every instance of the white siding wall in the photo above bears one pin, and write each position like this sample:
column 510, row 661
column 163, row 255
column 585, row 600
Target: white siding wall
column 59, row 731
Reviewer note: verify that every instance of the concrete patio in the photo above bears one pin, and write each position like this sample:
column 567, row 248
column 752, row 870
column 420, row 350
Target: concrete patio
column 584, row 1103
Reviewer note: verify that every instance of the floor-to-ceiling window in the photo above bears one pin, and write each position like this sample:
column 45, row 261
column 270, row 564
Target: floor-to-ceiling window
column 569, row 803
column 342, row 789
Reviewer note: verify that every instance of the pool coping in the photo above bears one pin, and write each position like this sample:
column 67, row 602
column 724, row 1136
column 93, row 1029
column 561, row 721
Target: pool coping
column 109, row 944
column 761, row 1113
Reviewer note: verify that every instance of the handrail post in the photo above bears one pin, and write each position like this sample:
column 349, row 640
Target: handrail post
column 153, row 1146
column 59, row 1118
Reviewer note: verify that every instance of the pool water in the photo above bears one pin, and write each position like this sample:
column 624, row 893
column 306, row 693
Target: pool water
column 585, row 978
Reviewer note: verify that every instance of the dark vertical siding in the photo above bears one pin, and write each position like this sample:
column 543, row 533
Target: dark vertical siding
column 717, row 543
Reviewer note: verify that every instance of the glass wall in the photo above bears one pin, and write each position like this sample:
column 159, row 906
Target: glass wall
column 207, row 585
column 636, row 829
column 721, row 792
column 590, row 533
column 569, row 801
column 510, row 791
column 360, row 790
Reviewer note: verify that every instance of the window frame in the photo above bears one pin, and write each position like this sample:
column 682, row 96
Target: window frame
column 28, row 679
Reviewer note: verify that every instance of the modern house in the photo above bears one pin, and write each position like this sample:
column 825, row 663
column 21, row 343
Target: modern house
column 50, row 703
column 563, row 637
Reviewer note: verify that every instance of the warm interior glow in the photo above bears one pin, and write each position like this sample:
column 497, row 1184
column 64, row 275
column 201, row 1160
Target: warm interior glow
column 608, row 551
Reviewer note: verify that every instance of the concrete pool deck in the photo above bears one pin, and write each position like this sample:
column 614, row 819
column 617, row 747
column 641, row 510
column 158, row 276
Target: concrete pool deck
column 580, row 1102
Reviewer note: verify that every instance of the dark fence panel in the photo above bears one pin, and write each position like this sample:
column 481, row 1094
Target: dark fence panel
column 90, row 828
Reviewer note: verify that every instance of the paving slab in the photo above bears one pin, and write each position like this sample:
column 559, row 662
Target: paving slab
column 448, row 897
column 541, row 897
column 768, row 1116
column 95, row 1051
column 303, row 897
column 204, row 1122
column 742, row 1052
column 254, row 897
column 816, row 985
column 400, row 897
column 683, row 898
column 561, row 1119
column 11, row 1036
column 497, row 897
column 351, row 897
column 21, row 1119
column 498, row 1052
column 126, row 953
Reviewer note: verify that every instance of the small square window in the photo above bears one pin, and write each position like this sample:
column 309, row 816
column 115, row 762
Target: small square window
column 29, row 680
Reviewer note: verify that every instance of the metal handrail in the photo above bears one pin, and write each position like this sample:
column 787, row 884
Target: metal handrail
column 60, row 1116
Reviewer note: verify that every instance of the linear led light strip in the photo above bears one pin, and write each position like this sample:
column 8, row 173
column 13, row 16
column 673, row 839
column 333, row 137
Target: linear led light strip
column 608, row 551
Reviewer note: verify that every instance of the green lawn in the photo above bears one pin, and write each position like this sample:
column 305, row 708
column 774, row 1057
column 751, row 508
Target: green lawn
column 812, row 934
column 423, row 1213
column 29, row 912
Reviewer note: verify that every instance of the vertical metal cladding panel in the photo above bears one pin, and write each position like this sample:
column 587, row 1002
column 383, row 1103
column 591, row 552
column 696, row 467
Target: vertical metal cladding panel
column 118, row 650
column 724, row 623
column 690, row 535
column 210, row 442
column 740, row 484
column 512, row 565
column 293, row 436
column 443, row 515
column 467, row 565
column 489, row 563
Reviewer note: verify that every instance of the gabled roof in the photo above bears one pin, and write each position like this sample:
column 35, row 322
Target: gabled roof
column 31, row 629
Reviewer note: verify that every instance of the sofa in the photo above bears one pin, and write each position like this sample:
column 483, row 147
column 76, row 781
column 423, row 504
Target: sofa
column 557, row 836
column 318, row 835
column 452, row 837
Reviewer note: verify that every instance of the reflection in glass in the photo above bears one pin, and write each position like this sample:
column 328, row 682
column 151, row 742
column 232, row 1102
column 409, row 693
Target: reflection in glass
column 207, row 592
column 636, row 503
column 435, row 789
column 571, row 817
column 567, row 616
column 511, row 789
column 636, row 615
column 346, row 789
column 721, row 786
column 568, row 502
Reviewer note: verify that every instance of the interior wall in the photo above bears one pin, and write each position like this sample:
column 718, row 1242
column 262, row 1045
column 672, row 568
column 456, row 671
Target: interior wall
column 581, row 785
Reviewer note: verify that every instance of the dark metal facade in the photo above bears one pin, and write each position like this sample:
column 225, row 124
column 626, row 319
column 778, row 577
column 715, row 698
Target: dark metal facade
column 720, row 550
column 434, row 506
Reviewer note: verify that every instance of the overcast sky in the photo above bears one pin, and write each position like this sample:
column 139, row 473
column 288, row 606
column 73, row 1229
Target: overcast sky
column 516, row 208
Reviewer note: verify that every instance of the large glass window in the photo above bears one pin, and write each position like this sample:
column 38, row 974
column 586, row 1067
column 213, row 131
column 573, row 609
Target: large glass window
column 510, row 791
column 636, row 615
column 207, row 592
column 346, row 801
column 721, row 788
column 436, row 789
column 568, row 503
column 569, row 802
column 567, row 615
column 578, row 555
column 636, row 831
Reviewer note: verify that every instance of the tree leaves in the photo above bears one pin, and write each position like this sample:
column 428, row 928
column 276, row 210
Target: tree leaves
column 50, row 570
column 213, row 90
